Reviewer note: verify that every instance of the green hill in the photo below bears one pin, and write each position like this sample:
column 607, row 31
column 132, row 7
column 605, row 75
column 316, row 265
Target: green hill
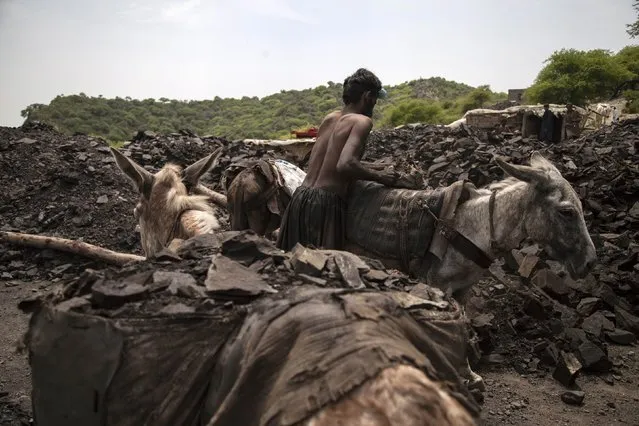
column 434, row 100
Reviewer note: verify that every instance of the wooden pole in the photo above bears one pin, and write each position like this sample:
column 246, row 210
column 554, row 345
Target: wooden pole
column 70, row 246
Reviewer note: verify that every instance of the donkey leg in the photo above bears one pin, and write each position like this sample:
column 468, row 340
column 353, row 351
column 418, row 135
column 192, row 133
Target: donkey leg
column 473, row 380
column 258, row 220
column 273, row 227
column 175, row 244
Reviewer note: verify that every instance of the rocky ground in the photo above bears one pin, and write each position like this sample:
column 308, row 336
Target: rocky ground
column 540, row 335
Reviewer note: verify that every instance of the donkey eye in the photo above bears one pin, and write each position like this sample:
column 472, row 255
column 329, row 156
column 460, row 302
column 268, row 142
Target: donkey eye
column 568, row 212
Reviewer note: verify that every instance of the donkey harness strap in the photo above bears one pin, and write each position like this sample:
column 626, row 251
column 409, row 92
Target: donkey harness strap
column 404, row 209
column 461, row 243
column 257, row 202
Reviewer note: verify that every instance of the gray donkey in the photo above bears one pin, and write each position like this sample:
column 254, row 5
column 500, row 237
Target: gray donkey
column 535, row 202
column 399, row 226
column 167, row 211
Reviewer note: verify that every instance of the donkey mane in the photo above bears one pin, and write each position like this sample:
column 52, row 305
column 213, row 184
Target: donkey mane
column 500, row 184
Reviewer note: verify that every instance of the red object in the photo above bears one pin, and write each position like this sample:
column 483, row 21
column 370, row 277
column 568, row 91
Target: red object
column 308, row 133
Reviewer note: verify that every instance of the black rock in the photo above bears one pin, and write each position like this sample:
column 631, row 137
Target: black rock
column 587, row 305
column 621, row 337
column 596, row 324
column 568, row 366
column 593, row 358
column 573, row 397
column 550, row 355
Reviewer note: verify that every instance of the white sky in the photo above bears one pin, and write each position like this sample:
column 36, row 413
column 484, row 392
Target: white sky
column 199, row 49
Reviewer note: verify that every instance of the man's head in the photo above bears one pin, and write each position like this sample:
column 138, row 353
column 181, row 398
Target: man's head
column 361, row 90
column 546, row 106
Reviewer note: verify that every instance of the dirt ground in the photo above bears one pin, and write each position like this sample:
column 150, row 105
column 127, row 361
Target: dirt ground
column 15, row 376
column 510, row 398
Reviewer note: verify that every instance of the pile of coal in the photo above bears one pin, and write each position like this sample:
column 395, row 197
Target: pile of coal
column 70, row 187
column 224, row 271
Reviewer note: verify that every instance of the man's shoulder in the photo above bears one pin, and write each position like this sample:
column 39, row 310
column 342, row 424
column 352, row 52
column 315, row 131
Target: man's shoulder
column 358, row 119
column 331, row 117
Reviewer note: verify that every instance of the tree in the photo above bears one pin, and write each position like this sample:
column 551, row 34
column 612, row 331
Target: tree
column 267, row 117
column 632, row 96
column 31, row 110
column 633, row 29
column 578, row 77
column 628, row 57
column 477, row 98
column 414, row 111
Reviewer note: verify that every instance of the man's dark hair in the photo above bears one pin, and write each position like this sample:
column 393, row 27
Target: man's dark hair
column 359, row 82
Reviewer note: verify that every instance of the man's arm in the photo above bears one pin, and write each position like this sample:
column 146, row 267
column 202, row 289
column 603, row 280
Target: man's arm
column 349, row 163
column 374, row 166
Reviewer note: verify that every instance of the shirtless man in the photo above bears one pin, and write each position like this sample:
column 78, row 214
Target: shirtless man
column 316, row 214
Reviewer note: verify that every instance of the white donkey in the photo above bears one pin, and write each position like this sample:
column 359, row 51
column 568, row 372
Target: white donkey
column 167, row 211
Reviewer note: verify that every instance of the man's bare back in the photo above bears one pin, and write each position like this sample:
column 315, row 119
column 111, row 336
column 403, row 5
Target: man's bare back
column 335, row 161
column 318, row 166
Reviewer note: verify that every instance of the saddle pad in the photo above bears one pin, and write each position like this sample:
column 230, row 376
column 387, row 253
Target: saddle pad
column 299, row 352
column 292, row 176
column 373, row 220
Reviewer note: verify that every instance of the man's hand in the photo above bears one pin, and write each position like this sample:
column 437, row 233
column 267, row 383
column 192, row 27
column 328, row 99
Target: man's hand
column 387, row 177
column 395, row 179
column 374, row 166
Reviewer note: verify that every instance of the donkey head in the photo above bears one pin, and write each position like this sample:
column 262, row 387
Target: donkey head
column 164, row 197
column 554, row 217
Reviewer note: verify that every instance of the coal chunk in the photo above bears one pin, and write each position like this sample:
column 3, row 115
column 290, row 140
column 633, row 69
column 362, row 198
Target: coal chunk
column 573, row 397
column 231, row 279
column 621, row 337
column 308, row 261
column 596, row 324
column 108, row 293
column 593, row 358
column 587, row 305
column 568, row 366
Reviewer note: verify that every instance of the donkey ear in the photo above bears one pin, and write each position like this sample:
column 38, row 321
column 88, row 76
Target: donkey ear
column 195, row 171
column 525, row 173
column 141, row 178
column 538, row 161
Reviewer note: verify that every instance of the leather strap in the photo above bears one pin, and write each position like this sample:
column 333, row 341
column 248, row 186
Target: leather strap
column 461, row 243
column 465, row 246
